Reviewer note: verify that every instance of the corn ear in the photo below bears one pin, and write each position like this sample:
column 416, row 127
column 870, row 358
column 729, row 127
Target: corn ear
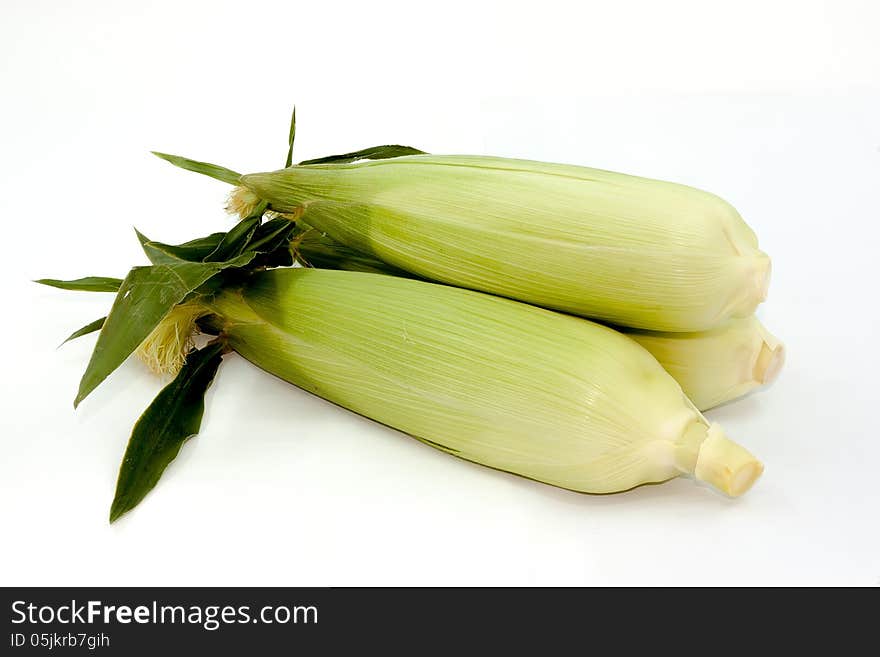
column 540, row 394
column 627, row 250
column 719, row 365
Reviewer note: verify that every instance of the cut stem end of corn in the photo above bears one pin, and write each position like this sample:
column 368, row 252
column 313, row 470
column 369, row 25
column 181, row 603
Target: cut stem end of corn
column 727, row 466
column 718, row 366
column 770, row 362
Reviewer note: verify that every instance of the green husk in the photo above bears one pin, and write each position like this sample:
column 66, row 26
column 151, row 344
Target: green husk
column 547, row 396
column 626, row 250
column 717, row 366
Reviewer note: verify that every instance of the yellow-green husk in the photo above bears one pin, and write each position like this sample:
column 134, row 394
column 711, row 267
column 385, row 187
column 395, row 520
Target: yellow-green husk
column 547, row 396
column 718, row 365
column 627, row 250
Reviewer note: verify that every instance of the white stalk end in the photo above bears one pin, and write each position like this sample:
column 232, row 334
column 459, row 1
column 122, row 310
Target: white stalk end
column 770, row 359
column 727, row 466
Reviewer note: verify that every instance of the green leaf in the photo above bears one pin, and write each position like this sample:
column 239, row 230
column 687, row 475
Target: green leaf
column 157, row 253
column 203, row 245
column 235, row 241
column 211, row 170
column 290, row 137
column 174, row 416
column 85, row 330
column 281, row 257
column 271, row 235
column 271, row 243
column 87, row 284
column 144, row 298
column 193, row 251
column 264, row 238
column 374, row 153
column 315, row 249
column 146, row 295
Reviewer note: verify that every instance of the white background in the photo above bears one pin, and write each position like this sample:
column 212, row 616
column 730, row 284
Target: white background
column 773, row 105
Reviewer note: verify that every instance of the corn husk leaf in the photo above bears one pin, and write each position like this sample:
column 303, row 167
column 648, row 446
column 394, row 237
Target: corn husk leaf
column 272, row 244
column 192, row 251
column 149, row 294
column 508, row 385
column 720, row 365
column 373, row 153
column 231, row 177
column 87, row 284
column 235, row 241
column 146, row 295
column 291, row 135
column 272, row 235
column 269, row 238
column 315, row 249
column 205, row 168
column 174, row 416
column 622, row 249
column 91, row 327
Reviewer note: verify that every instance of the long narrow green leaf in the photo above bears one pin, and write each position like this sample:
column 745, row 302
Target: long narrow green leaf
column 315, row 249
column 85, row 330
column 271, row 235
column 290, row 137
column 193, row 251
column 200, row 245
column 235, row 241
column 174, row 416
column 211, row 170
column 374, row 153
column 87, row 284
column 156, row 252
column 146, row 295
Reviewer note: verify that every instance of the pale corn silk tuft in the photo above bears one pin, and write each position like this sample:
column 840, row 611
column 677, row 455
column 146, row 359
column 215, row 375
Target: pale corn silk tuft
column 164, row 350
column 242, row 202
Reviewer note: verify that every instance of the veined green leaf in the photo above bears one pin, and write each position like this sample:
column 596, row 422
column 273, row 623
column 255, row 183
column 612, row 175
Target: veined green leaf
column 374, row 153
column 193, row 251
column 264, row 239
column 85, row 330
column 211, row 170
column 290, row 137
column 157, row 253
column 146, row 295
column 174, row 416
column 271, row 242
column 87, row 284
column 204, row 245
column 271, row 235
column 235, row 241
column 315, row 249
